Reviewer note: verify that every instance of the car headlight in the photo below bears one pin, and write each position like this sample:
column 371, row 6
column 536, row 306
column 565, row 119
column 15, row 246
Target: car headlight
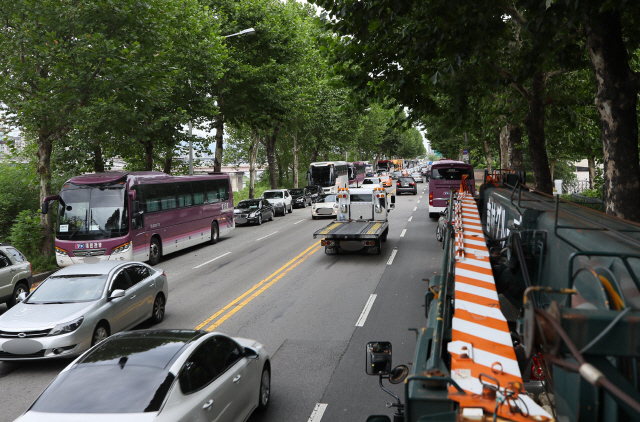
column 67, row 327
column 253, row 214
column 121, row 248
column 61, row 252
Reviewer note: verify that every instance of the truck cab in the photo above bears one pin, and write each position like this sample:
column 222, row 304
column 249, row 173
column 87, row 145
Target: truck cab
column 360, row 204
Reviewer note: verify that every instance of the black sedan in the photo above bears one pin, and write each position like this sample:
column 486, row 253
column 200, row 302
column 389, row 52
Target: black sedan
column 314, row 191
column 300, row 197
column 253, row 211
column 406, row 184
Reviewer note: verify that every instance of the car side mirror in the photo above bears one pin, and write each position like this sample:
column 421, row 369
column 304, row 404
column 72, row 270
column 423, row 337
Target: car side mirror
column 117, row 293
column 378, row 358
column 249, row 353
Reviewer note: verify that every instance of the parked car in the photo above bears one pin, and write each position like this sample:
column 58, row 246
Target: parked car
column 406, row 184
column 300, row 197
column 15, row 275
column 253, row 211
column 161, row 376
column 417, row 176
column 325, row 206
column 314, row 191
column 81, row 305
column 280, row 199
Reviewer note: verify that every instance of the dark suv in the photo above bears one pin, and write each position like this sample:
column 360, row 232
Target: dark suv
column 406, row 184
column 314, row 191
column 15, row 275
column 300, row 197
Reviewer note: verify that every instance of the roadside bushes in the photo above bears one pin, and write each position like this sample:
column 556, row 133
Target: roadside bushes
column 26, row 235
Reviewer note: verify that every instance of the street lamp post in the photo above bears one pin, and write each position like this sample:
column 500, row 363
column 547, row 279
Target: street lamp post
column 248, row 31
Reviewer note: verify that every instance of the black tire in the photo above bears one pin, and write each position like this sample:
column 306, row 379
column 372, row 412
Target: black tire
column 215, row 233
column 100, row 333
column 290, row 209
column 271, row 218
column 20, row 287
column 433, row 215
column 264, row 394
column 155, row 251
column 259, row 219
column 313, row 217
column 157, row 314
column 415, row 192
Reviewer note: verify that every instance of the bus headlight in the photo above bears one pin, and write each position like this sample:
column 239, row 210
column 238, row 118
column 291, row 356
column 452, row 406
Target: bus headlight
column 122, row 248
column 61, row 252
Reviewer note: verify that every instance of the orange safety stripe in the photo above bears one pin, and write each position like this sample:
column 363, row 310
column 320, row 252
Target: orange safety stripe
column 484, row 301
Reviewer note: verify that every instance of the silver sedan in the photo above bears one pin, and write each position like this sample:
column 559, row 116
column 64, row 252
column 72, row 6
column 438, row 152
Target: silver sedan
column 160, row 376
column 80, row 306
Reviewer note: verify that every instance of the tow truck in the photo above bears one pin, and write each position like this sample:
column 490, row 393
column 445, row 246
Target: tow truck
column 361, row 224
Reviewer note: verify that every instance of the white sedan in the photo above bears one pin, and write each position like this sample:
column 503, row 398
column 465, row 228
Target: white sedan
column 159, row 375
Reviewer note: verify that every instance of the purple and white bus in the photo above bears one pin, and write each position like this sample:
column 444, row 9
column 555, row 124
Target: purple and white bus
column 139, row 216
column 357, row 172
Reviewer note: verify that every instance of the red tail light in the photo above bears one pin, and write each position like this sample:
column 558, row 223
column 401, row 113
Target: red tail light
column 398, row 183
column 431, row 198
column 412, row 184
column 537, row 374
column 31, row 267
column 164, row 274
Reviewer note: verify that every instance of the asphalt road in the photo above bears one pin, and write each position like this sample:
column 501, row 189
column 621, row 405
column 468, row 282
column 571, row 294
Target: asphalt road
column 273, row 283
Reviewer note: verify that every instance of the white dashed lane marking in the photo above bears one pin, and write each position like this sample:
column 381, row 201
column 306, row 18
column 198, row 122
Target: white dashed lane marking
column 211, row 260
column 403, row 232
column 365, row 311
column 318, row 411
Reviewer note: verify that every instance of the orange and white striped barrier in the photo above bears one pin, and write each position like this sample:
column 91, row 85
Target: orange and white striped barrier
column 483, row 361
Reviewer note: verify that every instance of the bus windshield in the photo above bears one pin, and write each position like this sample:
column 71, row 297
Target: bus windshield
column 444, row 173
column 322, row 176
column 92, row 212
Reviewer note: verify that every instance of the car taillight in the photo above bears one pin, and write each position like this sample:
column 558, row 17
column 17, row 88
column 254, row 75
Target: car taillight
column 537, row 374
column 430, row 198
column 31, row 267
column 164, row 274
column 412, row 183
column 398, row 183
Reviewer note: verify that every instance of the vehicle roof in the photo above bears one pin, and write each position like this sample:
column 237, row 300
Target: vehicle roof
column 450, row 163
column 156, row 348
column 100, row 267
column 275, row 190
column 137, row 177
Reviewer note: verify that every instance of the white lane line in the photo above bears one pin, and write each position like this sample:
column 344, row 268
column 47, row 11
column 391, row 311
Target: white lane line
column 415, row 208
column 403, row 232
column 410, row 218
column 264, row 237
column 317, row 413
column 365, row 311
column 211, row 260
column 418, row 201
column 420, row 196
column 298, row 222
column 393, row 255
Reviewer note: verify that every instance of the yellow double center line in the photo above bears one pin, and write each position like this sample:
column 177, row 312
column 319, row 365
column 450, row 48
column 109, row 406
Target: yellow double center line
column 238, row 303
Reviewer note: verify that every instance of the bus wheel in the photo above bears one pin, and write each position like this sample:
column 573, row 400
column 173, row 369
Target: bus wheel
column 215, row 233
column 155, row 252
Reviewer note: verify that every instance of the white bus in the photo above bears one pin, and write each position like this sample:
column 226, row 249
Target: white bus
column 330, row 175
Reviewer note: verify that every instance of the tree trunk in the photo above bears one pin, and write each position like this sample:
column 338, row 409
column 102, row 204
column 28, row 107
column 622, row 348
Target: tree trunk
column 270, row 146
column 45, row 146
column 168, row 162
column 98, row 160
column 535, row 129
column 314, row 155
column 253, row 153
column 515, row 147
column 219, row 125
column 591, row 162
column 504, row 147
column 295, row 161
column 487, row 153
column 616, row 100
column 148, row 154
column 279, row 162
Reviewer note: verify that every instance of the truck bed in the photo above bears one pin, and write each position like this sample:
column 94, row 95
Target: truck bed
column 353, row 230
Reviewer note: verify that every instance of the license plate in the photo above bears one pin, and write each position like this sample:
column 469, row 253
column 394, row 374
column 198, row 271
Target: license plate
column 405, row 185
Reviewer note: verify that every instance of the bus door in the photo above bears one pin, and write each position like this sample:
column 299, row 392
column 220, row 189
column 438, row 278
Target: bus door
column 139, row 236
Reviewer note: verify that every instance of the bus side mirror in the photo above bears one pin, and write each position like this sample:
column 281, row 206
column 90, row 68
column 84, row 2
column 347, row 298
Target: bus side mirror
column 132, row 194
column 45, row 208
column 378, row 358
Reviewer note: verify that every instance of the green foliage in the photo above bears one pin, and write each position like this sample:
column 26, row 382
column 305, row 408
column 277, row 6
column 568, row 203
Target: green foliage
column 26, row 233
column 18, row 191
column 244, row 193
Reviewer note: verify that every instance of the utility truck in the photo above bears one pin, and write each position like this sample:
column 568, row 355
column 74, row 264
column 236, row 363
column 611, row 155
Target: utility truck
column 361, row 223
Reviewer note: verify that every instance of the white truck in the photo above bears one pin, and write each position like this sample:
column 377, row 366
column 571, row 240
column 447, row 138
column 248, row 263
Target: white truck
column 361, row 223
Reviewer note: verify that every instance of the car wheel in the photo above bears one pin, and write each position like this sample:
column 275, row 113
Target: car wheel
column 290, row 209
column 433, row 215
column 13, row 300
column 215, row 233
column 313, row 217
column 100, row 333
column 157, row 314
column 154, row 251
column 265, row 389
column 259, row 219
column 271, row 218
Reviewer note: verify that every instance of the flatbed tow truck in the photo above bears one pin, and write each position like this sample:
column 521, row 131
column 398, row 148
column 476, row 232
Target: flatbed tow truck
column 362, row 223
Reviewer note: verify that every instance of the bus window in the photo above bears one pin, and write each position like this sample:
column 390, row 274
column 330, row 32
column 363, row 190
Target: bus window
column 151, row 198
column 199, row 189
column 184, row 194
column 167, row 194
column 213, row 195
column 223, row 189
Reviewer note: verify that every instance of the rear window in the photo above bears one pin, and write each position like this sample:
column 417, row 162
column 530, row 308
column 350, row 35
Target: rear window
column 361, row 197
column 406, row 180
column 121, row 388
column 272, row 195
column 16, row 254
column 450, row 173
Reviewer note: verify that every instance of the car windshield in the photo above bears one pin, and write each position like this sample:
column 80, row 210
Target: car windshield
column 87, row 212
column 69, row 289
column 296, row 191
column 248, row 205
column 326, row 198
column 121, row 388
column 272, row 195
